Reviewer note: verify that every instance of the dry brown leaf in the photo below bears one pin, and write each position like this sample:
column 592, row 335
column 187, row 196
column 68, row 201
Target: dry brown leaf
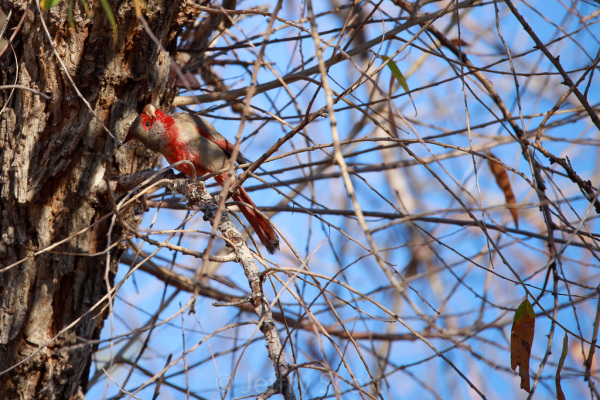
column 503, row 183
column 521, row 340
column 457, row 41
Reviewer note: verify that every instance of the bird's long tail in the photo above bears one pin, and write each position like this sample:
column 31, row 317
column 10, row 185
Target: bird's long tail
column 263, row 228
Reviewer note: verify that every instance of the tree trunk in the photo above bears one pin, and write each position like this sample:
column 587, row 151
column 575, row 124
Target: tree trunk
column 54, row 158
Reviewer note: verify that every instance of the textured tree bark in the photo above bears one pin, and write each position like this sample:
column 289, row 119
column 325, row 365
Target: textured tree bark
column 54, row 157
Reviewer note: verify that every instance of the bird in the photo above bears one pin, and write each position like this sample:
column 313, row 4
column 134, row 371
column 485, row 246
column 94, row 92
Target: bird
column 185, row 136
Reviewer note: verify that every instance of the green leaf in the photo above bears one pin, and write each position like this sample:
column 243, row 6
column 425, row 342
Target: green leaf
column 45, row 5
column 525, row 310
column 71, row 23
column 111, row 18
column 396, row 72
column 138, row 8
column 559, row 392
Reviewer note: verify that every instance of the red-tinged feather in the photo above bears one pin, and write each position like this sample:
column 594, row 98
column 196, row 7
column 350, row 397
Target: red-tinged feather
column 221, row 142
column 188, row 137
column 263, row 228
column 177, row 155
column 170, row 127
column 174, row 151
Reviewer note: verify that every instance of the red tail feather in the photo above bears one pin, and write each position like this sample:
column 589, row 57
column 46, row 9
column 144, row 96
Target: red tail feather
column 262, row 226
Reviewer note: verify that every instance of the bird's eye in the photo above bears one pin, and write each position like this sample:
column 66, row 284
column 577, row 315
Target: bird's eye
column 147, row 123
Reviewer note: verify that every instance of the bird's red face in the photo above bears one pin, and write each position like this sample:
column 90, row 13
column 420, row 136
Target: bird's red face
column 142, row 124
column 148, row 128
column 146, row 121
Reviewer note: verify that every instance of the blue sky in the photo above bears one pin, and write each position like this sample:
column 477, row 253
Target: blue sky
column 461, row 280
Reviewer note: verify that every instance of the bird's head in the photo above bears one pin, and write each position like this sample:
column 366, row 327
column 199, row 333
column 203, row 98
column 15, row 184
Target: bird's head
column 147, row 128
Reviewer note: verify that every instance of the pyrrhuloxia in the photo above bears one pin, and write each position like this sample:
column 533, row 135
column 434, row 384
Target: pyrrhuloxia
column 185, row 136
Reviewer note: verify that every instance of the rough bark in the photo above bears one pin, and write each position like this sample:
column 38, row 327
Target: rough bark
column 54, row 155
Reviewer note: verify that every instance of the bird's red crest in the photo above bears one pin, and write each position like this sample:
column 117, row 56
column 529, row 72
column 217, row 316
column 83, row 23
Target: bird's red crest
column 168, row 123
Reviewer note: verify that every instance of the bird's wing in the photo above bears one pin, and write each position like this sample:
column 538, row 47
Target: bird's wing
column 209, row 132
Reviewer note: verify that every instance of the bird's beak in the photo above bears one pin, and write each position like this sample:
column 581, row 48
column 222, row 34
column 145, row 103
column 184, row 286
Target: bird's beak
column 132, row 128
column 149, row 110
column 128, row 137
